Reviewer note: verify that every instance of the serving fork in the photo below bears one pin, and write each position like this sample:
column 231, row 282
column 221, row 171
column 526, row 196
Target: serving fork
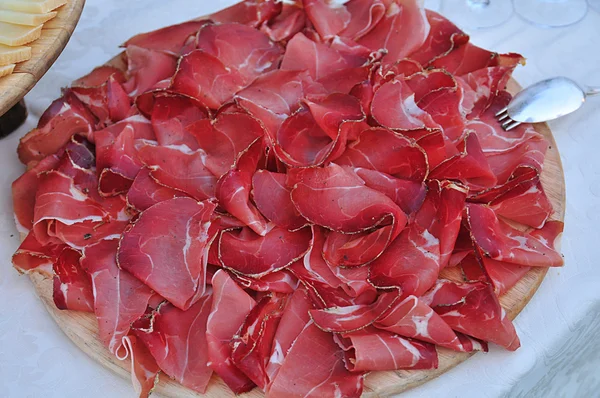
column 544, row 101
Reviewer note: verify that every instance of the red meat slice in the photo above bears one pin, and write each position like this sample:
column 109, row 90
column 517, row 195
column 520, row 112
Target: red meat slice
column 530, row 153
column 109, row 101
column 272, row 198
column 481, row 88
column 241, row 48
column 468, row 58
column 382, row 350
column 204, row 77
column 146, row 191
column 319, row 376
column 167, row 247
column 473, row 309
column 276, row 282
column 248, row 12
column 233, row 193
column 72, row 289
column 355, row 317
column 387, row 152
column 320, row 60
column 249, row 254
column 119, row 298
column 443, row 37
column 402, row 30
column 470, row 166
column 31, row 256
column 501, row 242
column 144, row 369
column 146, row 67
column 365, row 15
column 327, row 17
column 177, row 340
column 230, row 306
column 100, row 75
column 394, row 107
column 290, row 21
column 501, row 275
column 343, row 195
column 170, row 40
column 179, row 169
column 64, row 118
column 353, row 250
column 252, row 344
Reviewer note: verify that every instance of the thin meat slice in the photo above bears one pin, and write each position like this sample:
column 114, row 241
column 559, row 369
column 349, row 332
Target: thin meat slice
column 382, row 350
column 468, row 57
column 530, row 153
column 241, row 48
column 177, row 340
column 252, row 344
column 272, row 198
column 387, row 152
column 230, row 307
column 365, row 15
column 179, row 169
column 119, row 298
column 354, row 250
column 144, row 369
column 64, row 118
column 276, row 282
column 470, row 166
column 72, row 289
column 109, row 102
column 146, row 68
column 501, row 275
column 328, row 17
column 473, row 309
column 481, row 88
column 253, row 255
column 402, row 30
column 32, row 256
column 100, row 75
column 167, row 248
column 290, row 21
column 355, row 317
column 170, row 40
column 344, row 196
column 204, row 77
column 145, row 191
column 324, row 375
column 501, row 242
column 248, row 12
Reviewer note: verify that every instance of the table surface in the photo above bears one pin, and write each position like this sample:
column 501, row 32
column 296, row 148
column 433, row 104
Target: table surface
column 559, row 329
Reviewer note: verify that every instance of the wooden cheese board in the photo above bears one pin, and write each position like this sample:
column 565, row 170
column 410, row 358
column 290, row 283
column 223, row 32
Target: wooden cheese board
column 81, row 328
column 45, row 50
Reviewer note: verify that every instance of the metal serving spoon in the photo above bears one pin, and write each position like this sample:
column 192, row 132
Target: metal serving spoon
column 544, row 101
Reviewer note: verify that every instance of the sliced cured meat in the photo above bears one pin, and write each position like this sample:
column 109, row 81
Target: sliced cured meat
column 204, row 77
column 319, row 59
column 290, row 21
column 119, row 298
column 170, row 40
column 86, row 233
column 356, row 317
column 501, row 242
column 147, row 67
column 146, row 192
column 353, row 250
column 253, row 255
column 248, row 12
column 382, row 350
column 482, row 86
column 166, row 248
column 402, row 30
column 100, row 75
column 241, row 48
column 328, row 17
column 181, row 170
column 320, row 376
column 365, row 15
column 470, row 166
column 387, row 152
column 72, row 289
column 65, row 117
column 225, row 138
column 437, row 147
column 530, row 153
column 233, row 194
column 344, row 81
column 230, row 307
column 473, row 309
column 501, row 275
column 276, row 282
column 177, row 340
column 272, row 198
column 108, row 102
column 252, row 344
column 468, row 57
column 344, row 195
column 144, row 369
column 31, row 256
column 394, row 107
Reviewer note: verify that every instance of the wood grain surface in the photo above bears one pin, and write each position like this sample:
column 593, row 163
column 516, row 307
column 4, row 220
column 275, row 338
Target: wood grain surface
column 81, row 328
column 55, row 35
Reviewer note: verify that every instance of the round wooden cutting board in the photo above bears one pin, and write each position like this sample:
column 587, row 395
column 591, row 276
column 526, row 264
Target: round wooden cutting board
column 82, row 327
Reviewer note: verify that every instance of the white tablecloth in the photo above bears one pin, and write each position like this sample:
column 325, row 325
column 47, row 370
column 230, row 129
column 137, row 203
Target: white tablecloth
column 559, row 329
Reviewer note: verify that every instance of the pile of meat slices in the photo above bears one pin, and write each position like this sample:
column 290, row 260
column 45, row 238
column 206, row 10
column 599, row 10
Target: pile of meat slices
column 283, row 194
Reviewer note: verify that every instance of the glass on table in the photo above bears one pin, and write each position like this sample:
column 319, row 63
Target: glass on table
column 477, row 14
column 595, row 4
column 551, row 13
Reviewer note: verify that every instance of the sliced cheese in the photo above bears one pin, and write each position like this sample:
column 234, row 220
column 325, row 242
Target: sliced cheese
column 17, row 35
column 13, row 55
column 6, row 70
column 25, row 18
column 32, row 6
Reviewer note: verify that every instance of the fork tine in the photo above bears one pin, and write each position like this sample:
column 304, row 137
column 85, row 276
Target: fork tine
column 510, row 124
column 502, row 111
column 503, row 117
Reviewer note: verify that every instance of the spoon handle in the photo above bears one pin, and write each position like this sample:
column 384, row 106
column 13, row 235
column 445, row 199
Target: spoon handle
column 592, row 90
